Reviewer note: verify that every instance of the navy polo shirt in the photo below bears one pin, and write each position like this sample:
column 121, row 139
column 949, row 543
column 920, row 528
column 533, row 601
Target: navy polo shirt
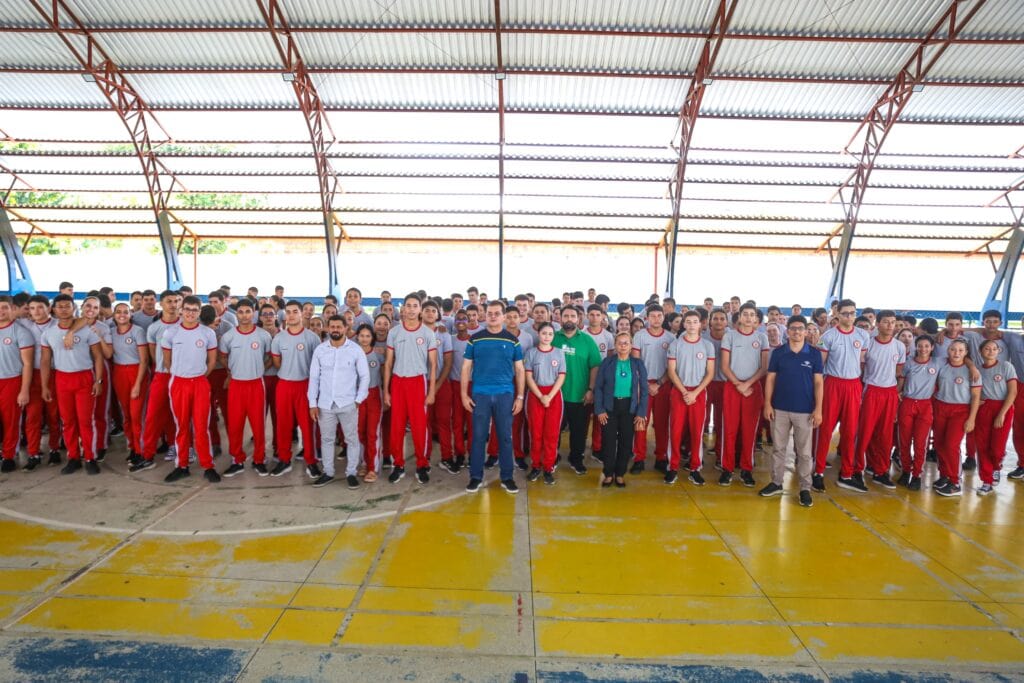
column 794, row 378
column 494, row 357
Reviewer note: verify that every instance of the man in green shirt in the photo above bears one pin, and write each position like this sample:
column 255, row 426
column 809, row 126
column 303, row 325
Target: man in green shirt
column 582, row 358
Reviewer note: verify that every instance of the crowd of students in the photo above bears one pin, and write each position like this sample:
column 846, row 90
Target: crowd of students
column 719, row 382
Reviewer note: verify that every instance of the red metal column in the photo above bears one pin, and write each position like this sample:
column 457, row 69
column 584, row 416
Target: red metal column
column 688, row 119
column 879, row 121
column 321, row 134
column 136, row 115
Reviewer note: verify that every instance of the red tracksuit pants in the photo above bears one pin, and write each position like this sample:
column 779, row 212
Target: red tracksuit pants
column 461, row 420
column 158, row 415
column 949, row 432
column 915, row 421
column 716, row 392
column 520, row 434
column 247, row 400
column 293, row 408
column 596, row 430
column 409, row 405
column 77, row 412
column 131, row 408
column 38, row 409
column 370, row 412
column 440, row 414
column 270, row 394
column 742, row 415
column 190, row 406
column 687, row 422
column 218, row 403
column 1018, row 426
column 545, row 429
column 990, row 440
column 874, row 431
column 10, row 416
column 101, row 419
column 840, row 404
column 659, row 407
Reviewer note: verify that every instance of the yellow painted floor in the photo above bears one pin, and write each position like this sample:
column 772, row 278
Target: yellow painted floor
column 556, row 578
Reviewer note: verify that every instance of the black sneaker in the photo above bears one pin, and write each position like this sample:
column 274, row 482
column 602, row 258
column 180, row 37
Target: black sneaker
column 133, row 458
column 396, row 475
column 261, row 469
column 1016, row 474
column 322, row 480
column 725, row 479
column 54, row 458
column 473, row 486
column 313, row 471
column 747, row 478
column 770, row 490
column 970, row 464
column 534, row 474
column 281, row 468
column 8, row 465
column 118, row 430
column 596, row 456
column 914, row 484
column 578, row 467
column 805, row 499
column 949, row 491
column 216, row 450
column 759, row 446
column 549, row 478
column 510, row 486
column 176, row 474
column 661, row 465
column 932, row 455
column 818, row 483
column 387, row 463
column 521, row 464
column 211, row 475
column 101, row 454
column 852, row 484
column 343, row 453
column 904, row 479
column 883, row 480
column 421, row 475
column 92, row 467
column 74, row 464
column 448, row 466
column 671, row 476
column 940, row 482
column 637, row 467
column 352, row 481
column 696, row 478
column 460, row 462
column 162, row 448
column 491, row 461
column 141, row 465
column 33, row 462
column 233, row 469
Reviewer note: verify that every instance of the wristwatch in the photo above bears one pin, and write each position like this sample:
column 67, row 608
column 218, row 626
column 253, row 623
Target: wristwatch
column 519, row 398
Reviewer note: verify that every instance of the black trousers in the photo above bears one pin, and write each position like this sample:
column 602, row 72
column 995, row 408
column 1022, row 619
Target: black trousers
column 576, row 414
column 617, row 439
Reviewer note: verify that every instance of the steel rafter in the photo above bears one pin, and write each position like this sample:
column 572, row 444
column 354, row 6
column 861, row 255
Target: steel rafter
column 135, row 114
column 321, row 135
column 688, row 119
column 879, row 122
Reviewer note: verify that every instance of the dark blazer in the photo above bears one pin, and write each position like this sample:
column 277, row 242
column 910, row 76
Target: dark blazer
column 604, row 387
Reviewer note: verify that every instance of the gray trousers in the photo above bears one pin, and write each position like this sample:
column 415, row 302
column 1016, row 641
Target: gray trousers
column 348, row 418
column 802, row 427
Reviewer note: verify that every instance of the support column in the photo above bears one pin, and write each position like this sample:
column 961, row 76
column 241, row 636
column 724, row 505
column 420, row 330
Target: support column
column 170, row 251
column 999, row 293
column 18, row 277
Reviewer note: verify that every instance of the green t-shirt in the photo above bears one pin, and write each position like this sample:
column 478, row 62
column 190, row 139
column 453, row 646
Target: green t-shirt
column 581, row 354
column 623, row 378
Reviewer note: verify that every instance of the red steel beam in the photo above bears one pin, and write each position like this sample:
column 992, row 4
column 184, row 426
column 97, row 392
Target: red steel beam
column 883, row 115
column 688, row 118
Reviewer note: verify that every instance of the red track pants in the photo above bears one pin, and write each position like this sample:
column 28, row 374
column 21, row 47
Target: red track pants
column 101, row 406
column 440, row 414
column 218, row 403
column 293, row 408
column 841, row 405
column 158, row 415
column 520, row 434
column 10, row 416
column 370, row 412
column 1018, row 425
column 190, row 406
column 991, row 440
column 131, row 408
column 77, row 411
column 659, row 406
column 874, row 432
column 949, row 432
column 687, row 422
column 742, row 415
column 545, row 429
column 38, row 409
column 409, row 405
column 247, row 400
column 915, row 421
column 461, row 420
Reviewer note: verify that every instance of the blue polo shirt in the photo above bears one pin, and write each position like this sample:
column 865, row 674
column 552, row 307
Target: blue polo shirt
column 794, row 378
column 494, row 357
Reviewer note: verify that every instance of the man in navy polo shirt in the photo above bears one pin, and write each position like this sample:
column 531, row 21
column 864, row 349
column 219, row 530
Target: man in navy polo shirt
column 493, row 362
column 792, row 403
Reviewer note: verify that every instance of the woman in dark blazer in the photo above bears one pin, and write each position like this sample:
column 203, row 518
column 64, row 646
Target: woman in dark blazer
column 620, row 403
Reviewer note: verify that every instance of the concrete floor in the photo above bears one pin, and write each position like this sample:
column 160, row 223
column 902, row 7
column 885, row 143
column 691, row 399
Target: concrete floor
column 123, row 577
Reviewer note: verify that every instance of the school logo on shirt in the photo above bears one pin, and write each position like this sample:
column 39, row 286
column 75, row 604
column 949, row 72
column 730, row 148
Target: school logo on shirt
column 603, row 347
column 896, row 357
column 129, row 340
column 998, row 378
column 373, row 363
column 959, row 380
column 856, row 344
column 700, row 355
column 254, row 346
column 664, row 345
column 76, row 339
column 419, row 341
column 200, row 343
column 300, row 347
column 554, row 363
column 931, row 371
column 7, row 341
column 756, row 345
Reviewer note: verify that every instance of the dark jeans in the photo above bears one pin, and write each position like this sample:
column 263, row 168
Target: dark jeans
column 499, row 408
column 617, row 439
column 576, row 414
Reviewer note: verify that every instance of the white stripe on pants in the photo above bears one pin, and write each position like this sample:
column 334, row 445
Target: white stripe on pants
column 348, row 418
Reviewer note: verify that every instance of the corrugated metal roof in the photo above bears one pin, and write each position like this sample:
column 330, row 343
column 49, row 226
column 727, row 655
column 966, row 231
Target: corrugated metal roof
column 864, row 17
column 790, row 100
column 979, row 62
column 396, row 50
column 406, row 90
column 192, row 50
column 62, row 90
column 821, row 59
column 372, row 12
column 600, row 53
column 648, row 14
column 205, row 90
column 972, row 105
column 177, row 13
column 641, row 96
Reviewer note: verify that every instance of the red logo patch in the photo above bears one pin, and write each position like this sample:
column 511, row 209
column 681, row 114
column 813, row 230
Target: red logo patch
column 554, row 363
column 7, row 341
column 300, row 347
column 756, row 345
column 129, row 340
column 700, row 355
column 856, row 344
column 998, row 378
column 959, row 380
column 254, row 345
column 931, row 371
column 200, row 343
column 419, row 341
column 896, row 357
column 603, row 347
column 77, row 339
column 664, row 345
column 373, row 363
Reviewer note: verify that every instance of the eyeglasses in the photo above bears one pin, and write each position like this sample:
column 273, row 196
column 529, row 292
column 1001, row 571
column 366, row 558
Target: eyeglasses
column 267, row 314
column 847, row 313
column 190, row 310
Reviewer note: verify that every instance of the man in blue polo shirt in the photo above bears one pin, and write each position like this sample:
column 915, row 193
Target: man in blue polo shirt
column 792, row 402
column 493, row 362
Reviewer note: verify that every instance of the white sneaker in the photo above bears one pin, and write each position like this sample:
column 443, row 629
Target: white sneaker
column 984, row 489
column 171, row 454
column 192, row 456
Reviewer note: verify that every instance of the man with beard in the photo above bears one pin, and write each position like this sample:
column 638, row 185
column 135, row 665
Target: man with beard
column 582, row 359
